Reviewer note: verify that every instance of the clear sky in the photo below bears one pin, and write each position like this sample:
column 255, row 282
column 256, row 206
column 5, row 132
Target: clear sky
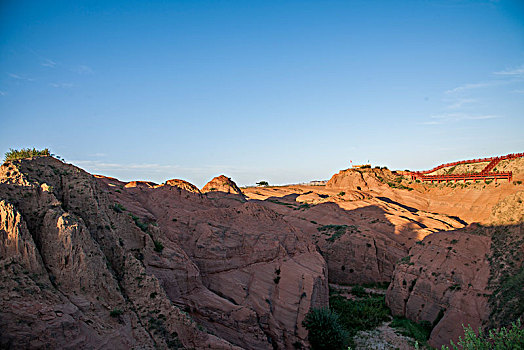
column 283, row 91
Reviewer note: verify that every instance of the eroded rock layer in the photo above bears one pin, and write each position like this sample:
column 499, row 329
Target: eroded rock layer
column 88, row 262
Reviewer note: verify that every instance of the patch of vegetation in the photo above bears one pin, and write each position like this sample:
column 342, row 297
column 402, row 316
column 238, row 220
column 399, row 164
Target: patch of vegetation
column 119, row 208
column 506, row 277
column 331, row 227
column 362, row 314
column 324, row 330
column 341, row 193
column 141, row 225
column 303, row 206
column 358, row 291
column 14, row 154
column 405, row 260
column 338, row 230
column 263, row 183
column 399, row 186
column 277, row 278
column 276, row 201
column 504, row 338
column 418, row 331
column 451, row 170
column 158, row 246
column 116, row 312
column 157, row 325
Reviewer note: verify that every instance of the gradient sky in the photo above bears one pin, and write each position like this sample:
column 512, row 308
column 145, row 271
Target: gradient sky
column 283, row 91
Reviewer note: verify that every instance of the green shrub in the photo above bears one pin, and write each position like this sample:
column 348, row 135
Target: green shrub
column 324, row 330
column 141, row 225
column 158, row 246
column 399, row 186
column 341, row 193
column 14, row 154
column 358, row 291
column 338, row 231
column 512, row 338
column 418, row 331
column 405, row 260
column 303, row 206
column 116, row 312
column 362, row 314
column 118, row 207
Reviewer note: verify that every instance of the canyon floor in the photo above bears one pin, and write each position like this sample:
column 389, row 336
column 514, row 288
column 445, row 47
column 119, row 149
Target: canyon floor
column 91, row 262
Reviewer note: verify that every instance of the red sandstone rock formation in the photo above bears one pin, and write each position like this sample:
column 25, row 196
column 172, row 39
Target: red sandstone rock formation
column 222, row 184
column 183, row 185
column 171, row 263
column 450, row 277
column 89, row 262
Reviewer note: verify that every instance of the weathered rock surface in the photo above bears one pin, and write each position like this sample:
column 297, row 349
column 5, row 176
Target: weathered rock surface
column 183, row 185
column 222, row 183
column 141, row 184
column 360, row 236
column 92, row 262
column 88, row 262
column 359, row 179
column 449, row 279
column 255, row 275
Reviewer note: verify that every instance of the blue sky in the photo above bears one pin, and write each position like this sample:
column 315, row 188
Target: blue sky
column 283, row 91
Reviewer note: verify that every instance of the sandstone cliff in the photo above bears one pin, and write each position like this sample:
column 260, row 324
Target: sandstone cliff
column 470, row 276
column 88, row 262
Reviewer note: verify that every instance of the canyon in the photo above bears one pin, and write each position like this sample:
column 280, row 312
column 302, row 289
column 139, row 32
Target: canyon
column 89, row 261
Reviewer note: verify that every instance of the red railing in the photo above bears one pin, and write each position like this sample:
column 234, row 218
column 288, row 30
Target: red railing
column 491, row 165
column 483, row 175
column 468, row 176
column 480, row 160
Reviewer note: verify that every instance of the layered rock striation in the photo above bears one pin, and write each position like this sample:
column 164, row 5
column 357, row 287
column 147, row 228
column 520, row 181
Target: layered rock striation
column 88, row 262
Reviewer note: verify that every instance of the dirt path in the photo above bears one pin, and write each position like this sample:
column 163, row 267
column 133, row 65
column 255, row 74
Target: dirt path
column 382, row 338
column 347, row 289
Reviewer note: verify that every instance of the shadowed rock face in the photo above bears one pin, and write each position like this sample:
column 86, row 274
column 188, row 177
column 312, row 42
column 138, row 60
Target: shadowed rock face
column 360, row 236
column 89, row 262
column 222, row 184
column 460, row 277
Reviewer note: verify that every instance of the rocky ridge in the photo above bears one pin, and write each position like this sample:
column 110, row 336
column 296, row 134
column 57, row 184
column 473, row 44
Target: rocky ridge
column 136, row 264
column 107, row 273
